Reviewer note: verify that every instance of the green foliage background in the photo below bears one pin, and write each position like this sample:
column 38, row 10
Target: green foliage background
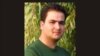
column 31, row 24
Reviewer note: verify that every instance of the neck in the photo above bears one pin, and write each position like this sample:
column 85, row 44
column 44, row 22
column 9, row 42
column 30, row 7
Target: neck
column 51, row 43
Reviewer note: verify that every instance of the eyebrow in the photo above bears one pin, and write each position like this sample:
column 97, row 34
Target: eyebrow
column 56, row 21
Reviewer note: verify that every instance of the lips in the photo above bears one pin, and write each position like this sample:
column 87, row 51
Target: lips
column 57, row 32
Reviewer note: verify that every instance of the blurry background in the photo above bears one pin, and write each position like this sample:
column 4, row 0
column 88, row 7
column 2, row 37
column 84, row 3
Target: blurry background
column 31, row 24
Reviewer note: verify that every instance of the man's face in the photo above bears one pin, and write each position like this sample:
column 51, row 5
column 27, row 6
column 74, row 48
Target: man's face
column 53, row 26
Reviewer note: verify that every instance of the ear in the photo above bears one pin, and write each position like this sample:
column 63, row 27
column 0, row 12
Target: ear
column 41, row 25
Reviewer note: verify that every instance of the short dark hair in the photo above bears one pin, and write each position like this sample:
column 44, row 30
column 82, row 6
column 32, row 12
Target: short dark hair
column 49, row 7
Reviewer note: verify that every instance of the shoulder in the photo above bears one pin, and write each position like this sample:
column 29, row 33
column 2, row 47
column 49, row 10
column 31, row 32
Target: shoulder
column 31, row 50
column 65, row 51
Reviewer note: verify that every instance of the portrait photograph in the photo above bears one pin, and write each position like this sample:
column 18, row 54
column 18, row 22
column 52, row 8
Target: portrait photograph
column 49, row 29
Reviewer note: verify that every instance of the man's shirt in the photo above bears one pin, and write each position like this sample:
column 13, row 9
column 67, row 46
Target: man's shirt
column 39, row 49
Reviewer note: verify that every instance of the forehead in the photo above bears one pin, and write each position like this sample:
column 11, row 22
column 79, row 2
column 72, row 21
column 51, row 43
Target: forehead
column 55, row 15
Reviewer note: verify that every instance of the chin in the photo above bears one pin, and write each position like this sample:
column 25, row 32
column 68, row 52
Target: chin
column 57, row 37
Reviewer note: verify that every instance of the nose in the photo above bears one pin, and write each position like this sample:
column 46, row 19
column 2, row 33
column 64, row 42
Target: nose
column 57, row 26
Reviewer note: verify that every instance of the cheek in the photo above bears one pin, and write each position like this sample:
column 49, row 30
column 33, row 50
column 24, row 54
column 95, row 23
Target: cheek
column 63, row 29
column 47, row 28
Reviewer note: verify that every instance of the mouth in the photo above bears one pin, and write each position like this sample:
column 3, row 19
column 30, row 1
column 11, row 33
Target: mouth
column 57, row 33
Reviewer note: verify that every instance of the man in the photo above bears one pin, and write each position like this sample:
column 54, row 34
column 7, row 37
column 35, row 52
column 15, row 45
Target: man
column 52, row 25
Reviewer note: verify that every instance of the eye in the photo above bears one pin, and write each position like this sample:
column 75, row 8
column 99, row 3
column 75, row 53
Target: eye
column 52, row 22
column 62, row 22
